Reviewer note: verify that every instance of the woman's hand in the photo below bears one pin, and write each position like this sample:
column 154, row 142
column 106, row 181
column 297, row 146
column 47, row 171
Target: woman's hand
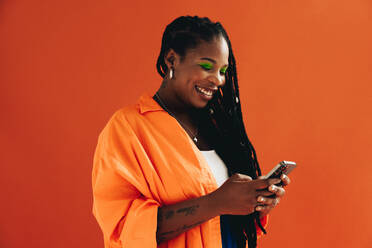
column 266, row 204
column 239, row 194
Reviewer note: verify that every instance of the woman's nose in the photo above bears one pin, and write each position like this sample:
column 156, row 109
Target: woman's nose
column 218, row 80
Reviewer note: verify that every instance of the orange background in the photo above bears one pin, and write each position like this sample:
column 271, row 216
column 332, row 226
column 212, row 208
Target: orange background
column 305, row 77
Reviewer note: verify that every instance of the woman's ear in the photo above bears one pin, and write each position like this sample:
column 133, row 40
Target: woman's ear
column 171, row 59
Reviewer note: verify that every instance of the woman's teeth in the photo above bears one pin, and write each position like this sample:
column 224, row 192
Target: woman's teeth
column 204, row 91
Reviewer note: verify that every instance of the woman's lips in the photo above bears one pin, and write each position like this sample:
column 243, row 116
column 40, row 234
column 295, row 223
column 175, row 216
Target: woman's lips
column 207, row 92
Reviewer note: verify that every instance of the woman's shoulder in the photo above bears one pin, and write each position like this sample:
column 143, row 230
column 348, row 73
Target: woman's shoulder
column 144, row 104
column 125, row 112
column 135, row 113
column 119, row 127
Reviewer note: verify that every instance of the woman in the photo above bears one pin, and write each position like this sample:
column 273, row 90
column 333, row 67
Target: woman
column 177, row 169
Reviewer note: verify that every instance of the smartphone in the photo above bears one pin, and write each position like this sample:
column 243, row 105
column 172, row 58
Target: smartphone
column 284, row 167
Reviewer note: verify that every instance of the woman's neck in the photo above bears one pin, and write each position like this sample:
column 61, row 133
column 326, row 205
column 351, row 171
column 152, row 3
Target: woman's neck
column 181, row 111
column 187, row 116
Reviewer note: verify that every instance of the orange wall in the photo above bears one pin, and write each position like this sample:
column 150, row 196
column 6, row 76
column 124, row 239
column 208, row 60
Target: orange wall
column 305, row 78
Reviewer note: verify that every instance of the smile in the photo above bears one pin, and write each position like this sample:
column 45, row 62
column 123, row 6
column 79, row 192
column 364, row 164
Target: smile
column 205, row 91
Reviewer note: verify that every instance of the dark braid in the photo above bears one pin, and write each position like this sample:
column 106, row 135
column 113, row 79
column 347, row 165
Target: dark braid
column 221, row 119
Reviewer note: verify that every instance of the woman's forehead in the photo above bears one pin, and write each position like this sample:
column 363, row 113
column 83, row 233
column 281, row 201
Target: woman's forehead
column 216, row 49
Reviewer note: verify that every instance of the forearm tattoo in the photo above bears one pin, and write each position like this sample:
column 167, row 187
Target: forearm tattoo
column 164, row 236
column 187, row 211
column 170, row 213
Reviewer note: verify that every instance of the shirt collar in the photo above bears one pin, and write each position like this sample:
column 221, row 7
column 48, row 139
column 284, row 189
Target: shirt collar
column 147, row 104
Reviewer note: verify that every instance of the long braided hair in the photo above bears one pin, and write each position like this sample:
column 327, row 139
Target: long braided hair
column 221, row 120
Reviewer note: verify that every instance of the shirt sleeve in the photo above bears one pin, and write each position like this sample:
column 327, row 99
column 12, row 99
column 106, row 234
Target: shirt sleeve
column 122, row 202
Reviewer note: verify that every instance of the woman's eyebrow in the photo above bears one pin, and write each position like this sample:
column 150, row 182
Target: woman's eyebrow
column 211, row 60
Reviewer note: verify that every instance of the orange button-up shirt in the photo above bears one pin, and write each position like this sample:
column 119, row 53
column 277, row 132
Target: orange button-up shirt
column 144, row 159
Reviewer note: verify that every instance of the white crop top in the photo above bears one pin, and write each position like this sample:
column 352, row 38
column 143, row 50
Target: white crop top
column 217, row 166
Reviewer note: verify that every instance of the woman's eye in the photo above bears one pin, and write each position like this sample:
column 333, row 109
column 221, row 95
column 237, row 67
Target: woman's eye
column 206, row 66
column 223, row 70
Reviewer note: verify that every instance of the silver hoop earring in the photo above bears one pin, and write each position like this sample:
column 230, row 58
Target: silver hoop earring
column 171, row 73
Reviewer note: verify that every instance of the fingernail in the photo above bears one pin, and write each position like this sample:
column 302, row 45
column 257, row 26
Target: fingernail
column 260, row 199
column 272, row 187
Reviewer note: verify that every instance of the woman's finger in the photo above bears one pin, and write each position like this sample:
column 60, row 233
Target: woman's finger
column 260, row 184
column 265, row 193
column 285, row 180
column 275, row 201
column 278, row 191
column 264, row 208
column 267, row 201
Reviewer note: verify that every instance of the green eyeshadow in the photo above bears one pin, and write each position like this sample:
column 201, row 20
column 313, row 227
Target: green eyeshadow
column 223, row 70
column 209, row 66
column 206, row 66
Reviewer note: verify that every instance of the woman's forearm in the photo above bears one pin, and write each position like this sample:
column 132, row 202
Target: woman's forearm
column 180, row 217
column 237, row 196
